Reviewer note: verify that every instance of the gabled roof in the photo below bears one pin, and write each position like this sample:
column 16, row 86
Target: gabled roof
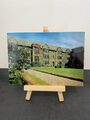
column 25, row 42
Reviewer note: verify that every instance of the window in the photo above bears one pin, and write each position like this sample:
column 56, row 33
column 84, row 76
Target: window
column 68, row 51
column 46, row 62
column 59, row 57
column 45, row 56
column 36, row 58
column 59, row 63
column 45, row 50
column 36, row 50
column 59, row 50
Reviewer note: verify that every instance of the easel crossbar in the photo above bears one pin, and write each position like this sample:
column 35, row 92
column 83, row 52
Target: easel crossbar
column 44, row 88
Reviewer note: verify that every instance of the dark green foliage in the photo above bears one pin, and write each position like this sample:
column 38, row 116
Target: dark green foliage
column 15, row 76
column 58, row 66
column 36, row 64
column 27, row 66
column 19, row 58
column 22, row 59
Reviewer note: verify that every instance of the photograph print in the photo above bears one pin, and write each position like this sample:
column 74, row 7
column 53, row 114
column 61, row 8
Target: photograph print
column 46, row 58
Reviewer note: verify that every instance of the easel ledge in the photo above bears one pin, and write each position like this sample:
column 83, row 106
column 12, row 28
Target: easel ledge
column 59, row 89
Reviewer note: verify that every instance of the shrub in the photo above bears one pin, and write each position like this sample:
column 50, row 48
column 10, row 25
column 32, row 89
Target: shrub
column 27, row 66
column 15, row 76
column 58, row 66
column 36, row 64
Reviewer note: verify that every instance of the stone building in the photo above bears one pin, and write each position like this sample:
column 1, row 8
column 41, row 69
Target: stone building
column 43, row 54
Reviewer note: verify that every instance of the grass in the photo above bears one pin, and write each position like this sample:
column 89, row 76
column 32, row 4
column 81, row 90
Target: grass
column 68, row 72
column 33, row 80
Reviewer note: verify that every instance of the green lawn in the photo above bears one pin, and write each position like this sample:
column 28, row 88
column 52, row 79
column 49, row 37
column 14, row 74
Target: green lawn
column 68, row 72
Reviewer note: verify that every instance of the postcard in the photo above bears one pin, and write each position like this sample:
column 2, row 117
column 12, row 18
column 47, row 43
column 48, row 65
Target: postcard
column 46, row 58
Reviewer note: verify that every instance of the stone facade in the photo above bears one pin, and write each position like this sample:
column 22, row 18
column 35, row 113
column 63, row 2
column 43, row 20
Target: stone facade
column 49, row 55
column 46, row 55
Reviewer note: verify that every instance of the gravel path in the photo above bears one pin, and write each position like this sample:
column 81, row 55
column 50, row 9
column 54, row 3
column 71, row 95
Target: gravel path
column 54, row 80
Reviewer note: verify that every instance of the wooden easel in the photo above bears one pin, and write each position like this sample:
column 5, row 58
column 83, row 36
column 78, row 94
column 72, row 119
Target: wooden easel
column 30, row 88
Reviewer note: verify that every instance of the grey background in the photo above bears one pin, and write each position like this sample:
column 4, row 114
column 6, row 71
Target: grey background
column 43, row 105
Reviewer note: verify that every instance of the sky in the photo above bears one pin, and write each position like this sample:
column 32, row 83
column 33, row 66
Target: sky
column 63, row 39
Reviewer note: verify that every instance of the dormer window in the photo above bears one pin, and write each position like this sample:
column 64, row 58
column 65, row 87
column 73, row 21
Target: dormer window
column 59, row 50
column 36, row 50
column 45, row 50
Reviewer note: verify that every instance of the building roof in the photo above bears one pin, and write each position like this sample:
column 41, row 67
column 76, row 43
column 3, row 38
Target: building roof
column 25, row 42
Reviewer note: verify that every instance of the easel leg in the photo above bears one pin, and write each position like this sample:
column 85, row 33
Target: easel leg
column 28, row 95
column 60, row 96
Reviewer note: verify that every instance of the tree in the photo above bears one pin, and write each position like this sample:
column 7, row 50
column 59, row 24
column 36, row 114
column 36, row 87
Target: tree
column 19, row 58
column 22, row 57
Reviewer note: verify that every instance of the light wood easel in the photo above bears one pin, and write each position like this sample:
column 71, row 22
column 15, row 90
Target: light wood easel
column 48, row 88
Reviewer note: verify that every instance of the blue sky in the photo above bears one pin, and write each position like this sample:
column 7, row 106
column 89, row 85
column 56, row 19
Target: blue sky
column 63, row 39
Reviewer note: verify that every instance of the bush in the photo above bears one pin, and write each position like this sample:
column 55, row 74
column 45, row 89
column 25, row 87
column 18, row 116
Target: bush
column 36, row 64
column 15, row 76
column 27, row 66
column 58, row 66
column 19, row 58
